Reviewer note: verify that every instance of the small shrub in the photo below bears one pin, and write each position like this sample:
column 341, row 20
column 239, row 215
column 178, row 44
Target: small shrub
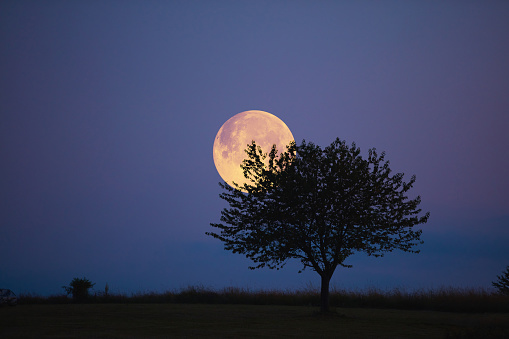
column 79, row 289
column 502, row 285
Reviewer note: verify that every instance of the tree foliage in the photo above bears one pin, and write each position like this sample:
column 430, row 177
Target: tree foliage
column 78, row 288
column 319, row 206
column 502, row 285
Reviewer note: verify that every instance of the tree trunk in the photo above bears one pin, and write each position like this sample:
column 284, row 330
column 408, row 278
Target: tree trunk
column 324, row 294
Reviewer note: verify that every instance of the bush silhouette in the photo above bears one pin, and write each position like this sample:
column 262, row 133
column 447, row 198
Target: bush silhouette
column 502, row 284
column 79, row 289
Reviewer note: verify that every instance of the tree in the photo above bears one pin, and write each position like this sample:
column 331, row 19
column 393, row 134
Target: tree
column 318, row 206
column 502, row 284
column 79, row 289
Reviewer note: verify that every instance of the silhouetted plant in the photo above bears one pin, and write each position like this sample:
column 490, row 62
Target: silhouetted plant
column 78, row 288
column 502, row 285
column 319, row 206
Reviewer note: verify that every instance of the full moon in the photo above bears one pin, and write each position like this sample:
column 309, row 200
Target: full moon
column 238, row 132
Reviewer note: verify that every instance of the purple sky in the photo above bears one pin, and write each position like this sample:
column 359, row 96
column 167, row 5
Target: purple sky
column 109, row 110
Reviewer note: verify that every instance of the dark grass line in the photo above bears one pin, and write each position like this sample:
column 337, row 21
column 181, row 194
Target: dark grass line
column 443, row 299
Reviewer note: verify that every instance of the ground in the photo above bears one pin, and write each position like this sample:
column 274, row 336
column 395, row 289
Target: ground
column 239, row 321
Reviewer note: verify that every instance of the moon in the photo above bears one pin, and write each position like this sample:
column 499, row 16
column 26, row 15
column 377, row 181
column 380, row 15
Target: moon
column 238, row 132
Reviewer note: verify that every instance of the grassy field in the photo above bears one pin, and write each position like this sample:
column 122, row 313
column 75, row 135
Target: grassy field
column 240, row 321
column 444, row 299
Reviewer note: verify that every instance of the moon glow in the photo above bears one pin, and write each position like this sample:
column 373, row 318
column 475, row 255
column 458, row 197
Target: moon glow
column 240, row 130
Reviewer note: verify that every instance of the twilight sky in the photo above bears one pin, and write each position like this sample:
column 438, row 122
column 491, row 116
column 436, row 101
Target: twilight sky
column 109, row 110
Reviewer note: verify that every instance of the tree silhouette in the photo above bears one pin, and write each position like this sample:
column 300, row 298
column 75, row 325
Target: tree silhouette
column 319, row 206
column 502, row 284
column 79, row 289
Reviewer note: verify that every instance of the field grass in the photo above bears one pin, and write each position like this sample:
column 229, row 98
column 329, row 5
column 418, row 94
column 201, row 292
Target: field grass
column 130, row 320
column 443, row 299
